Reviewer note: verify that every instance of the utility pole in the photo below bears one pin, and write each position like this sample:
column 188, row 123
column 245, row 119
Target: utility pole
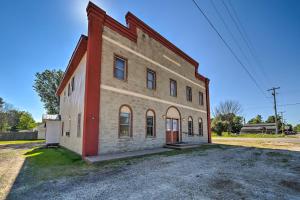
column 275, row 105
column 282, row 122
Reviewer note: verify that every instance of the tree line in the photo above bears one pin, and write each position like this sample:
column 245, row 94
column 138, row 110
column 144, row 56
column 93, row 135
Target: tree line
column 227, row 118
column 12, row 119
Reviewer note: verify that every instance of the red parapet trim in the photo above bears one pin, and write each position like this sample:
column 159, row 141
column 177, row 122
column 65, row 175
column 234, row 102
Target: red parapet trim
column 73, row 63
column 208, row 111
column 119, row 28
column 91, row 124
column 134, row 22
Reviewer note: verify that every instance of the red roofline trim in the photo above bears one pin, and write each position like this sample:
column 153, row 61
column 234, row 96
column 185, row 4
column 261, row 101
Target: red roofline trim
column 129, row 32
column 73, row 63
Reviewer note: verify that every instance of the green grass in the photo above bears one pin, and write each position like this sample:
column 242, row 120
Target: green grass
column 20, row 142
column 52, row 163
column 248, row 135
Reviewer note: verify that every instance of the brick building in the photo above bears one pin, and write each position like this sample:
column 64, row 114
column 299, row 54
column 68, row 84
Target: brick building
column 128, row 88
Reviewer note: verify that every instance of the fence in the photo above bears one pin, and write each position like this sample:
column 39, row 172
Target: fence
column 19, row 136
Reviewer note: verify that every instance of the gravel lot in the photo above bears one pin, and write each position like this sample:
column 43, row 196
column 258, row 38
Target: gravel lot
column 224, row 172
column 11, row 161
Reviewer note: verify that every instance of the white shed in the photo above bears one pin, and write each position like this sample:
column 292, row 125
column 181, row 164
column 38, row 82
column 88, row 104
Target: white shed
column 52, row 128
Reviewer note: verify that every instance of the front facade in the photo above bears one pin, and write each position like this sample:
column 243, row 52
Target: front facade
column 128, row 88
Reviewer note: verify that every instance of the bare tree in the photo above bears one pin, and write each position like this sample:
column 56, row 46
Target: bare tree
column 228, row 107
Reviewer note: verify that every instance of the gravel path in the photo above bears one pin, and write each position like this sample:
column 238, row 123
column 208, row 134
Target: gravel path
column 11, row 161
column 221, row 173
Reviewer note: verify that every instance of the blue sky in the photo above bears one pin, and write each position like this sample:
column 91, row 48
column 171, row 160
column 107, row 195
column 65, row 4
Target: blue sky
column 37, row 35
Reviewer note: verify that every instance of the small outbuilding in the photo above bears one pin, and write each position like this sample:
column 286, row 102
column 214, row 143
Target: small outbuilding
column 259, row 128
column 52, row 124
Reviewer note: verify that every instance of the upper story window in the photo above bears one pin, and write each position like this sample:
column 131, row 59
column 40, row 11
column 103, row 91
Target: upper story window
column 73, row 84
column 151, row 79
column 150, row 123
column 79, row 125
column 125, row 121
column 201, row 100
column 173, row 88
column 190, row 126
column 188, row 93
column 64, row 95
column 69, row 89
column 120, row 68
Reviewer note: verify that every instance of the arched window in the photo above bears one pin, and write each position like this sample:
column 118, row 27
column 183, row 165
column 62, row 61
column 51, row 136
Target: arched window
column 150, row 123
column 125, row 121
column 190, row 126
column 200, row 126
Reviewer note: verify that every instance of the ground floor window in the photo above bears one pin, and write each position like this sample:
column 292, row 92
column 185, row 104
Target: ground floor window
column 150, row 123
column 125, row 121
column 190, row 126
column 200, row 124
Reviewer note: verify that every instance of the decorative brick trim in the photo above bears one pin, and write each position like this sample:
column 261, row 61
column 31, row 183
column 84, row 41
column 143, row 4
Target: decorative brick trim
column 208, row 110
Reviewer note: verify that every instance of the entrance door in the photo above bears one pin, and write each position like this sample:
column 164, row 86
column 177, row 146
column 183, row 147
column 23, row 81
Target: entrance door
column 172, row 131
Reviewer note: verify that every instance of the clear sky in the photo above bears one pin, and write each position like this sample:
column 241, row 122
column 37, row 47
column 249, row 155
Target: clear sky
column 37, row 35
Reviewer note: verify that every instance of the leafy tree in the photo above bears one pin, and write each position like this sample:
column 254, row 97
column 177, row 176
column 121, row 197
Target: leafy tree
column 256, row 120
column 271, row 119
column 297, row 128
column 46, row 84
column 26, row 121
column 219, row 126
column 1, row 104
column 237, row 124
column 13, row 118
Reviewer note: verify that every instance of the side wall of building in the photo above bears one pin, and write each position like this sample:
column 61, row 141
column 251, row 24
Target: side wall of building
column 71, row 106
column 146, row 53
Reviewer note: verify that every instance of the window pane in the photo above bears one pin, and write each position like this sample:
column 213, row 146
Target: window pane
column 124, row 130
column 175, row 125
column 150, row 76
column 124, row 118
column 150, row 131
column 120, row 64
column 173, row 88
column 119, row 74
column 149, row 121
column 169, row 124
column 150, row 84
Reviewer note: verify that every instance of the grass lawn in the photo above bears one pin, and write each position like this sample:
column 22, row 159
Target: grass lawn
column 249, row 135
column 20, row 142
column 44, row 164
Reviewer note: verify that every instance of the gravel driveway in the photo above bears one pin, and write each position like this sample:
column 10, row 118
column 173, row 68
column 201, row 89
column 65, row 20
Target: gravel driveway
column 224, row 172
column 11, row 161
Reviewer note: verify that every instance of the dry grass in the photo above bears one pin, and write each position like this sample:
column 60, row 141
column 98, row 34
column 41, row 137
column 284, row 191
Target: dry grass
column 266, row 144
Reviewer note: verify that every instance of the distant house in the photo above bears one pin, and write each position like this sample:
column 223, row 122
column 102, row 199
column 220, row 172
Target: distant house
column 259, row 128
column 128, row 88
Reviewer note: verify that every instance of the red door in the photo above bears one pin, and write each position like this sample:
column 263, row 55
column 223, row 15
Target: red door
column 172, row 131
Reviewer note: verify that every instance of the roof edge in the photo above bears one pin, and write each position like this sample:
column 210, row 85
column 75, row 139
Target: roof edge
column 76, row 57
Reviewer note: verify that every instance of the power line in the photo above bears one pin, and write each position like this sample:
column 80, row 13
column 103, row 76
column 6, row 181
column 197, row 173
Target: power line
column 230, row 49
column 246, row 38
column 230, row 32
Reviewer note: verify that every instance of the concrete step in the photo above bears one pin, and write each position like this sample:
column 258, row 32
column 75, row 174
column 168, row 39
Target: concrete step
column 181, row 146
column 122, row 155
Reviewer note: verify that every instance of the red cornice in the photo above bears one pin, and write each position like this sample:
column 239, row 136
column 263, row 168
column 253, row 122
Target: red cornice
column 129, row 32
column 73, row 63
column 134, row 22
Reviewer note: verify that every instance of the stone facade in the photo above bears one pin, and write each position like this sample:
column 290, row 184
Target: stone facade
column 143, row 49
column 146, row 53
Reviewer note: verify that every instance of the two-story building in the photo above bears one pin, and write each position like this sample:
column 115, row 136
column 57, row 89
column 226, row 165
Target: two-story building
column 127, row 88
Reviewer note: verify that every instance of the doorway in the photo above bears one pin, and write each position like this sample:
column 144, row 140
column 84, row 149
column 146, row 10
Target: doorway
column 173, row 121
